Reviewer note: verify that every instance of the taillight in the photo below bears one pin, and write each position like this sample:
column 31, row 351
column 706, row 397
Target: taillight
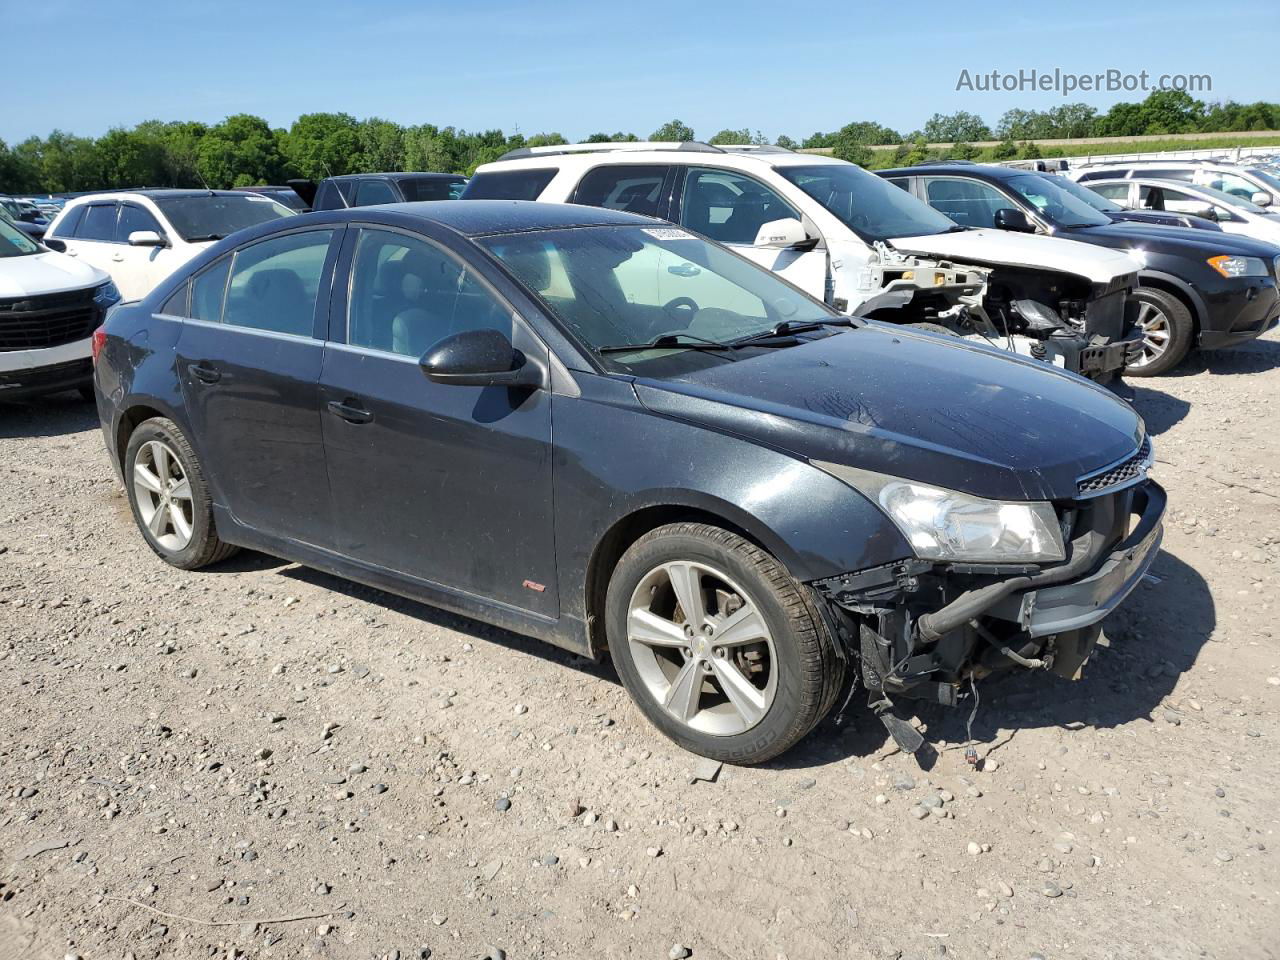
column 99, row 341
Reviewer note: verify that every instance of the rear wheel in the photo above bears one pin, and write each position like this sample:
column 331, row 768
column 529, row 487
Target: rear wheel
column 1167, row 331
column 719, row 646
column 169, row 497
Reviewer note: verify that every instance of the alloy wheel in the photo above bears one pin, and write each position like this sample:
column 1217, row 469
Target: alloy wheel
column 702, row 648
column 1157, row 333
column 163, row 494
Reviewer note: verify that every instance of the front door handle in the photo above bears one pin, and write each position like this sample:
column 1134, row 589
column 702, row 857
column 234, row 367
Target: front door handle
column 205, row 374
column 349, row 411
column 118, row 257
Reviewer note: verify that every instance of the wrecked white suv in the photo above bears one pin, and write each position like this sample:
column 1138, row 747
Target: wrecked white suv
column 853, row 240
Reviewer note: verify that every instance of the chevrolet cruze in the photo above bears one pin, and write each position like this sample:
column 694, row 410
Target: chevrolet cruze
column 610, row 433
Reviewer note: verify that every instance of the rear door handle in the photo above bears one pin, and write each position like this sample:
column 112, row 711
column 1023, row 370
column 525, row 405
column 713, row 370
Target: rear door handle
column 347, row 410
column 205, row 374
column 118, row 257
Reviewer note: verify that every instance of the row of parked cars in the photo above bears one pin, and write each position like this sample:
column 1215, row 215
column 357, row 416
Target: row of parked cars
column 791, row 446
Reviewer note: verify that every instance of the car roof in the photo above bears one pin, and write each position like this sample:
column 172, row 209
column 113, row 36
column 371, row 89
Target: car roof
column 583, row 159
column 401, row 173
column 156, row 193
column 983, row 171
column 475, row 218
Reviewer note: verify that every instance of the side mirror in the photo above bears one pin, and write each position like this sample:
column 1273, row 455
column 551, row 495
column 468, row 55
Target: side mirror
column 1007, row 218
column 1261, row 199
column 54, row 244
column 146, row 238
column 1208, row 213
column 782, row 234
column 479, row 358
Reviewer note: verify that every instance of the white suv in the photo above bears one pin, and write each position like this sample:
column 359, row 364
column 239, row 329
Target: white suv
column 142, row 236
column 1251, row 183
column 49, row 307
column 851, row 239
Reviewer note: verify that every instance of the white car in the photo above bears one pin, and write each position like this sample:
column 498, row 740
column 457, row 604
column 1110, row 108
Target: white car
column 850, row 238
column 50, row 305
column 1233, row 213
column 1248, row 181
column 142, row 236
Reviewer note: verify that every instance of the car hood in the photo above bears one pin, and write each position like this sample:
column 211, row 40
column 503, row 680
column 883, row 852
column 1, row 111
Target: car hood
column 49, row 272
column 1001, row 247
column 916, row 406
column 1188, row 241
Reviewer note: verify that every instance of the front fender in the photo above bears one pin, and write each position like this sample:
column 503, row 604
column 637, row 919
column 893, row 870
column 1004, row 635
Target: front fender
column 613, row 461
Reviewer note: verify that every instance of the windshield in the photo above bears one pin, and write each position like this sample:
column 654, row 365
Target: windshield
column 213, row 217
column 431, row 188
column 615, row 286
column 1055, row 204
column 1270, row 179
column 13, row 242
column 1229, row 199
column 1097, row 201
column 872, row 208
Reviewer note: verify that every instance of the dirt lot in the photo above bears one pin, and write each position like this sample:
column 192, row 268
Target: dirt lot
column 323, row 770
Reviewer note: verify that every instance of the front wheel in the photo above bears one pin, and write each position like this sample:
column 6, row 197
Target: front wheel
column 1167, row 331
column 720, row 647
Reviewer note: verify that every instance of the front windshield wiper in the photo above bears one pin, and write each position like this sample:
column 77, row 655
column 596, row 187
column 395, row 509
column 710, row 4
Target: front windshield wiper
column 206, row 236
column 683, row 341
column 786, row 329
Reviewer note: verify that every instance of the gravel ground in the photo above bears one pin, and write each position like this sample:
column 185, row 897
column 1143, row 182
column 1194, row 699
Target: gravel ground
column 259, row 760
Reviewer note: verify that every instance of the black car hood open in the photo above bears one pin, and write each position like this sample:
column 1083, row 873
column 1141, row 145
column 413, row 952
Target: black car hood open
column 912, row 405
column 1188, row 241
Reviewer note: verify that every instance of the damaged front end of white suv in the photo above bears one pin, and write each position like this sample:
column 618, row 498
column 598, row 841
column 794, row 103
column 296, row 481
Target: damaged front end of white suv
column 1069, row 320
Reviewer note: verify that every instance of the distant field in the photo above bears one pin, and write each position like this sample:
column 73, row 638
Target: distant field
column 890, row 155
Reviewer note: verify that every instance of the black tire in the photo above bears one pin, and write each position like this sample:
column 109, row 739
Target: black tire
column 933, row 328
column 204, row 547
column 1176, row 320
column 809, row 673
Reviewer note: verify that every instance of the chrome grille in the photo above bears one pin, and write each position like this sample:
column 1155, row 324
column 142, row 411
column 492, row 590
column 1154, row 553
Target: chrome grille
column 1122, row 474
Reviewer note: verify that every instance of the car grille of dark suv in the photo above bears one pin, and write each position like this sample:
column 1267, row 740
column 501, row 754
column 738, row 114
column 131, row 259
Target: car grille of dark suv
column 30, row 323
column 1121, row 474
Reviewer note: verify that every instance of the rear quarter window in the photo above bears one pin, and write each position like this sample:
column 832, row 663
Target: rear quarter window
column 509, row 184
column 66, row 227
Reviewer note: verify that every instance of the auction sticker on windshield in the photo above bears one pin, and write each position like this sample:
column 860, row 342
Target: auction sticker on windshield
column 667, row 233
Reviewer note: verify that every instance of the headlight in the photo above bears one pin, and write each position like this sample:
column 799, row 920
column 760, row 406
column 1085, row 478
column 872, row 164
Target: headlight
column 1239, row 266
column 106, row 295
column 945, row 524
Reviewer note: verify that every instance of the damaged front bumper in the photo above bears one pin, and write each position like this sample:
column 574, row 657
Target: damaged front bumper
column 921, row 630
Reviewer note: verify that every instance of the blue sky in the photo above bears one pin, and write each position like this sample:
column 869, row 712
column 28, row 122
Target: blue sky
column 576, row 67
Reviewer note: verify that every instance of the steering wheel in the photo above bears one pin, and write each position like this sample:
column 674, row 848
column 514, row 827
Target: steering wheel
column 681, row 309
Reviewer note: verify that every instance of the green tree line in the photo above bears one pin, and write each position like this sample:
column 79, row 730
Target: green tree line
column 243, row 149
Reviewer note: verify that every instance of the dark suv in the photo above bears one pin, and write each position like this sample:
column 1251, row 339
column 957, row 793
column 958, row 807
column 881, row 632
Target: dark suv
column 1195, row 288
column 373, row 189
column 746, row 496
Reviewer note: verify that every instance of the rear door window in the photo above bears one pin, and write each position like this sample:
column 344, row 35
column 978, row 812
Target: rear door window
column 275, row 283
column 1115, row 192
column 99, row 223
column 633, row 188
column 509, row 184
column 372, row 193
